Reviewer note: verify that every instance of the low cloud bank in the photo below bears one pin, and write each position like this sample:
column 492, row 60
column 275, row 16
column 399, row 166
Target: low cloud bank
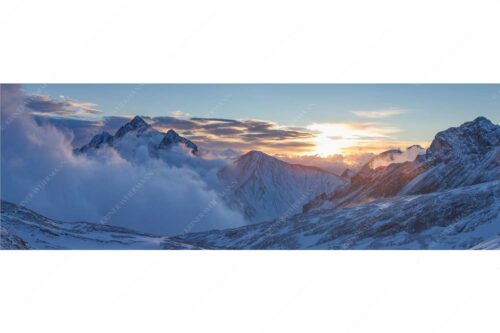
column 336, row 164
column 40, row 171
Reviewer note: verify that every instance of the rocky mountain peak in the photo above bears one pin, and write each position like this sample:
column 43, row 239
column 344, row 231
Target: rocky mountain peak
column 136, row 124
column 171, row 137
column 471, row 138
column 97, row 141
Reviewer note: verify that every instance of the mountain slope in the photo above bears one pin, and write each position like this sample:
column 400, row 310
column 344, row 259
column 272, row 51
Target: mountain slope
column 461, row 156
column 265, row 188
column 462, row 218
column 22, row 228
column 455, row 219
column 492, row 244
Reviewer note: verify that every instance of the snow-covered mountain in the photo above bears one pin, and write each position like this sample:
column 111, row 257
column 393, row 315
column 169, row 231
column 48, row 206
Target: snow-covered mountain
column 461, row 218
column 266, row 188
column 447, row 198
column 22, row 228
column 459, row 156
column 136, row 137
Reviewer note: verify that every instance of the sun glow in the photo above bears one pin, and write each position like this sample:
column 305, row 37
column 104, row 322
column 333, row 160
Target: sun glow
column 338, row 138
column 326, row 146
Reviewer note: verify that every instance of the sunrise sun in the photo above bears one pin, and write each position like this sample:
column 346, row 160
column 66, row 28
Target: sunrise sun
column 333, row 139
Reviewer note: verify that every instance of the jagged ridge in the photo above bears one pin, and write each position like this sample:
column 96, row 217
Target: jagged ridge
column 145, row 135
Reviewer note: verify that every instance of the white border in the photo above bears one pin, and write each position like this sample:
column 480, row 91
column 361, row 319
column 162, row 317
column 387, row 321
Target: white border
column 260, row 41
column 250, row 291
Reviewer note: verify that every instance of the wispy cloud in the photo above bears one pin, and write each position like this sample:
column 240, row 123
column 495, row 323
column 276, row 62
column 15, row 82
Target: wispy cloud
column 179, row 114
column 379, row 114
column 43, row 104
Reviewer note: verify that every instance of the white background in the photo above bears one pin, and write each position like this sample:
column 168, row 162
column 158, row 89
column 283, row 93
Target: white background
column 254, row 41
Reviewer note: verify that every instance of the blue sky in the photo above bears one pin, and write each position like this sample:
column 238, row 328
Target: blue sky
column 417, row 111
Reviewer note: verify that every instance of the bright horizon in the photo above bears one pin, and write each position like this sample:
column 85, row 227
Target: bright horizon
column 281, row 119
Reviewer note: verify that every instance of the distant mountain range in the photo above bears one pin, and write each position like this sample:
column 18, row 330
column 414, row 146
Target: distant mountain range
column 444, row 197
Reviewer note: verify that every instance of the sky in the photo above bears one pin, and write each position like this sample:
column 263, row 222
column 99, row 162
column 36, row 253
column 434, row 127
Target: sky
column 282, row 119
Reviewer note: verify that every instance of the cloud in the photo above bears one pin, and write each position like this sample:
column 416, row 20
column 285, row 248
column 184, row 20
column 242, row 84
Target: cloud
column 179, row 114
column 379, row 114
column 336, row 164
column 166, row 122
column 397, row 156
column 78, row 131
column 39, row 169
column 61, row 106
column 213, row 135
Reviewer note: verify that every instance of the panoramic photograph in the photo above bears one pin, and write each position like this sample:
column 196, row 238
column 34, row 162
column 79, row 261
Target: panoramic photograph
column 250, row 166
